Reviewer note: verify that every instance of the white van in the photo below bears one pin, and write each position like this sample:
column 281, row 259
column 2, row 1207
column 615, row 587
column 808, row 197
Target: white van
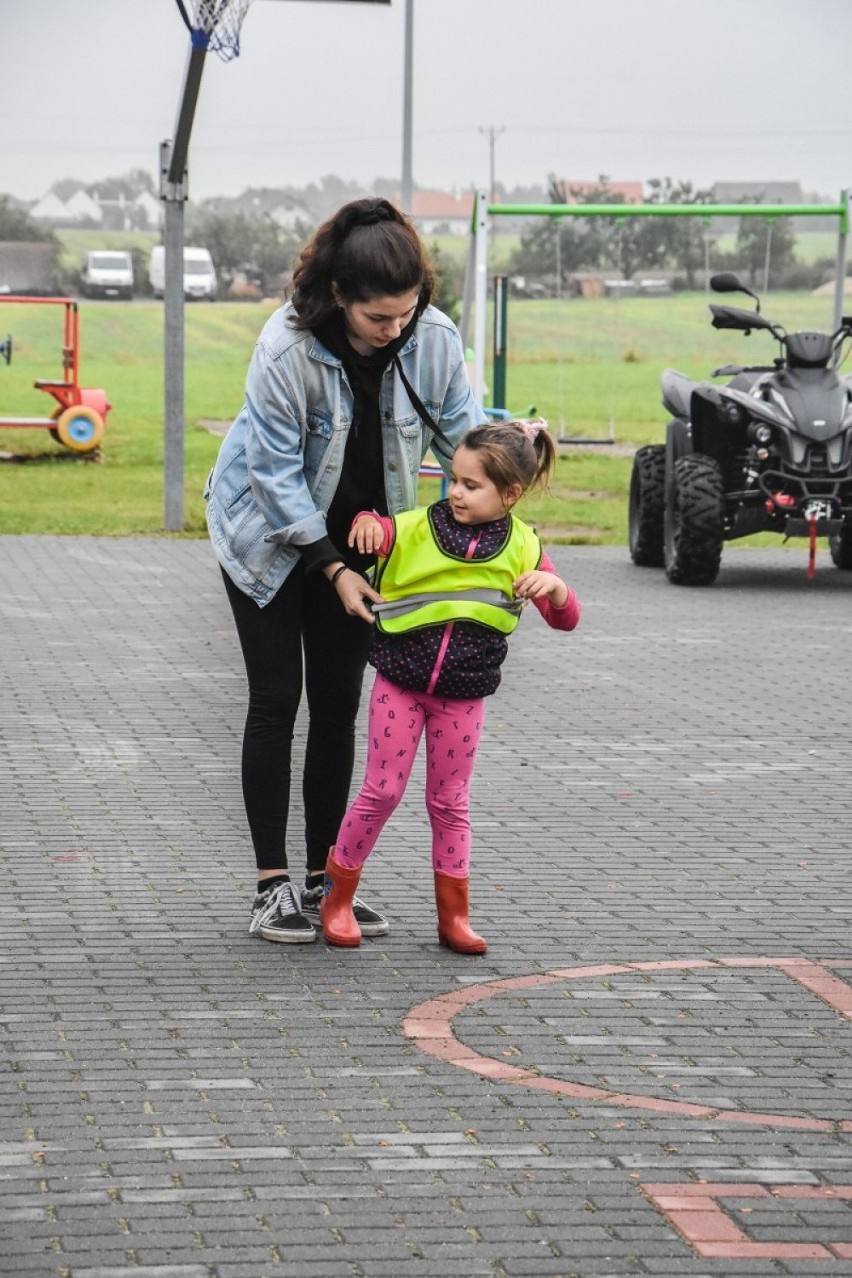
column 199, row 273
column 107, row 273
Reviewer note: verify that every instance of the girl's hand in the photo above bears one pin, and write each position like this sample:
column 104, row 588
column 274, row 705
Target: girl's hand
column 366, row 535
column 537, row 584
column 354, row 592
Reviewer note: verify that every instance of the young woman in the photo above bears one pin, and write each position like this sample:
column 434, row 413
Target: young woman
column 350, row 383
column 453, row 579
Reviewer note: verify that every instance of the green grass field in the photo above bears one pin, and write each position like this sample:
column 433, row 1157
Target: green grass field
column 591, row 367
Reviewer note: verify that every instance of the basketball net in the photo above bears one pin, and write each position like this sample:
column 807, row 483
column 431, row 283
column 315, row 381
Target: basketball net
column 215, row 24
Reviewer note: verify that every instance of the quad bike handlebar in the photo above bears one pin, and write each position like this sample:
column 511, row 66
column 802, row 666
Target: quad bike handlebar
column 801, row 350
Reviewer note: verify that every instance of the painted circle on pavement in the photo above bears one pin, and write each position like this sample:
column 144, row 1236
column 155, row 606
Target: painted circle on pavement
column 430, row 1026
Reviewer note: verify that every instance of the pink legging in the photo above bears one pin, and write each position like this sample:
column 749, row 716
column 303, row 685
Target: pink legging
column 398, row 720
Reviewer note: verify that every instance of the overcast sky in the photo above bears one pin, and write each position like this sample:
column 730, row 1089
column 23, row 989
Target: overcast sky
column 693, row 89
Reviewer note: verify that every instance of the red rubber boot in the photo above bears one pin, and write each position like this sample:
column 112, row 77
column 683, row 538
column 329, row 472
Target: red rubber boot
column 339, row 926
column 454, row 930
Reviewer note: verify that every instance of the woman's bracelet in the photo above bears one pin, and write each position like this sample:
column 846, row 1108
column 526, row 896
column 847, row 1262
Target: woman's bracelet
column 336, row 574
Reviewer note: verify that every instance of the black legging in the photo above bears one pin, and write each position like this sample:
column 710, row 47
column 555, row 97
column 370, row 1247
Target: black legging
column 305, row 612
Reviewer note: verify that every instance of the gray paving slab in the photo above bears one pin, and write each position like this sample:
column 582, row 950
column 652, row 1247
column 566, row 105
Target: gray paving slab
column 669, row 786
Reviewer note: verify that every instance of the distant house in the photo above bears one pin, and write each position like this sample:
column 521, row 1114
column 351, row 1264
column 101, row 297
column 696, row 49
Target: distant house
column 265, row 204
column 50, row 209
column 120, row 213
column 439, row 213
column 143, row 212
column 82, row 207
column 289, row 215
column 148, row 210
column 78, row 210
column 631, row 192
column 757, row 192
column 762, row 192
column 587, row 284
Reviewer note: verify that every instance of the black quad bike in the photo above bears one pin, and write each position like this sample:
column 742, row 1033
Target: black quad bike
column 768, row 451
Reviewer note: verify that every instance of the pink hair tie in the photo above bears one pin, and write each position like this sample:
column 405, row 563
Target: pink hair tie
column 533, row 428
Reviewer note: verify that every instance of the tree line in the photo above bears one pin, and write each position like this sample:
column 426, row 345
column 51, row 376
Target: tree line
column 559, row 248
column 255, row 253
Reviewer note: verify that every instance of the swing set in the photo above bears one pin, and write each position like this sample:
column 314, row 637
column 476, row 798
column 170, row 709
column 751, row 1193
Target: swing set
column 475, row 293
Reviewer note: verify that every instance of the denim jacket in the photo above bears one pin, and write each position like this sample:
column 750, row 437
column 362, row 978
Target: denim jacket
column 279, row 465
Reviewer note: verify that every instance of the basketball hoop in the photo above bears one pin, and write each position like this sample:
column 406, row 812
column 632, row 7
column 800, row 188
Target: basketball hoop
column 215, row 24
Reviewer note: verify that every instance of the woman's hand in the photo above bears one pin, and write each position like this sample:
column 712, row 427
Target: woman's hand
column 536, row 584
column 354, row 592
column 366, row 535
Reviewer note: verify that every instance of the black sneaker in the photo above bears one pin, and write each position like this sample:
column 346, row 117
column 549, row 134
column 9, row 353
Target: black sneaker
column 277, row 915
column 370, row 921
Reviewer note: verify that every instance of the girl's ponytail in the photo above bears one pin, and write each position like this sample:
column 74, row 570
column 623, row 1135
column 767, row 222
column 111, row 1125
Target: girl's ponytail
column 543, row 444
column 519, row 453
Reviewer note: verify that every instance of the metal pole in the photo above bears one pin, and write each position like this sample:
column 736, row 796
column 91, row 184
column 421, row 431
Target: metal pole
column 840, row 271
column 493, row 134
column 173, row 193
column 467, row 287
column 407, row 87
column 186, row 111
column 173, row 360
column 501, row 296
column 480, row 295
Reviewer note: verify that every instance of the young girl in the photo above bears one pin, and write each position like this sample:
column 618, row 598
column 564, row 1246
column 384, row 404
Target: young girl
column 453, row 579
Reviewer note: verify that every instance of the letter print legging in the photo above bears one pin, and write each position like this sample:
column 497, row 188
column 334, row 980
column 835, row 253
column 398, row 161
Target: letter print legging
column 398, row 719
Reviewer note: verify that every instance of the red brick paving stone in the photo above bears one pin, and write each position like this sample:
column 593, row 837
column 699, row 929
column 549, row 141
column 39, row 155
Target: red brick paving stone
column 787, row 1121
column 814, row 977
column 812, row 1191
column 699, row 1218
column 762, row 1251
column 705, row 1226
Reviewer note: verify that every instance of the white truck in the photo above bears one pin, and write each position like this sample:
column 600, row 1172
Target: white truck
column 199, row 273
column 107, row 273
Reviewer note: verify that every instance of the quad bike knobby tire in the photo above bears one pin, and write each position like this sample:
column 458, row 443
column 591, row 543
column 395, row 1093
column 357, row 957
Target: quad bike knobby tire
column 647, row 506
column 841, row 548
column 694, row 521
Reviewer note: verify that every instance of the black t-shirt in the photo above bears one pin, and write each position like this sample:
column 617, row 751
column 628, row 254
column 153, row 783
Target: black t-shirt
column 362, row 484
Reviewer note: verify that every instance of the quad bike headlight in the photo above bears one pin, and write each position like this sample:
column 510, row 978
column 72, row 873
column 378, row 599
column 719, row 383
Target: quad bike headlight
column 760, row 433
column 733, row 412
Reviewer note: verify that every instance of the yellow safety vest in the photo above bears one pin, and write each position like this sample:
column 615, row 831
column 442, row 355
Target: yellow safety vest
column 425, row 585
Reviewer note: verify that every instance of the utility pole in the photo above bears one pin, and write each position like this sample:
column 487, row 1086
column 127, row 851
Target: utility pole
column 407, row 93
column 493, row 132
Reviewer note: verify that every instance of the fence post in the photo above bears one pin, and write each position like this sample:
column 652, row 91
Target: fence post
column 840, row 272
column 480, row 294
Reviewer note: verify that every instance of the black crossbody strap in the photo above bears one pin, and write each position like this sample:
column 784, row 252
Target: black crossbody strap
column 422, row 412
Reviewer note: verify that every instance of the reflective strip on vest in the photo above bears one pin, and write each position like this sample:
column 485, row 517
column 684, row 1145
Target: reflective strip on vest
column 398, row 607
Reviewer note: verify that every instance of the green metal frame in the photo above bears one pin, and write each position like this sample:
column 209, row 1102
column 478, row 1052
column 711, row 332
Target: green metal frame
column 704, row 211
column 476, row 277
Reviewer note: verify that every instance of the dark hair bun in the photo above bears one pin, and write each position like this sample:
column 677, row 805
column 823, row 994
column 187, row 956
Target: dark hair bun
column 381, row 213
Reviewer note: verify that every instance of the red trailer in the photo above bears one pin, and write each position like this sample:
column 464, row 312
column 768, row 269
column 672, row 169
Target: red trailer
column 79, row 418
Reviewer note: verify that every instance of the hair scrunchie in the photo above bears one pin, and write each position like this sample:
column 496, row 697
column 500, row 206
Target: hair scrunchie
column 532, row 428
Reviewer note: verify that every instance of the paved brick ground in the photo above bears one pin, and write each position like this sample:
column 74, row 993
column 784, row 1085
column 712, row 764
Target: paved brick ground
column 669, row 784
